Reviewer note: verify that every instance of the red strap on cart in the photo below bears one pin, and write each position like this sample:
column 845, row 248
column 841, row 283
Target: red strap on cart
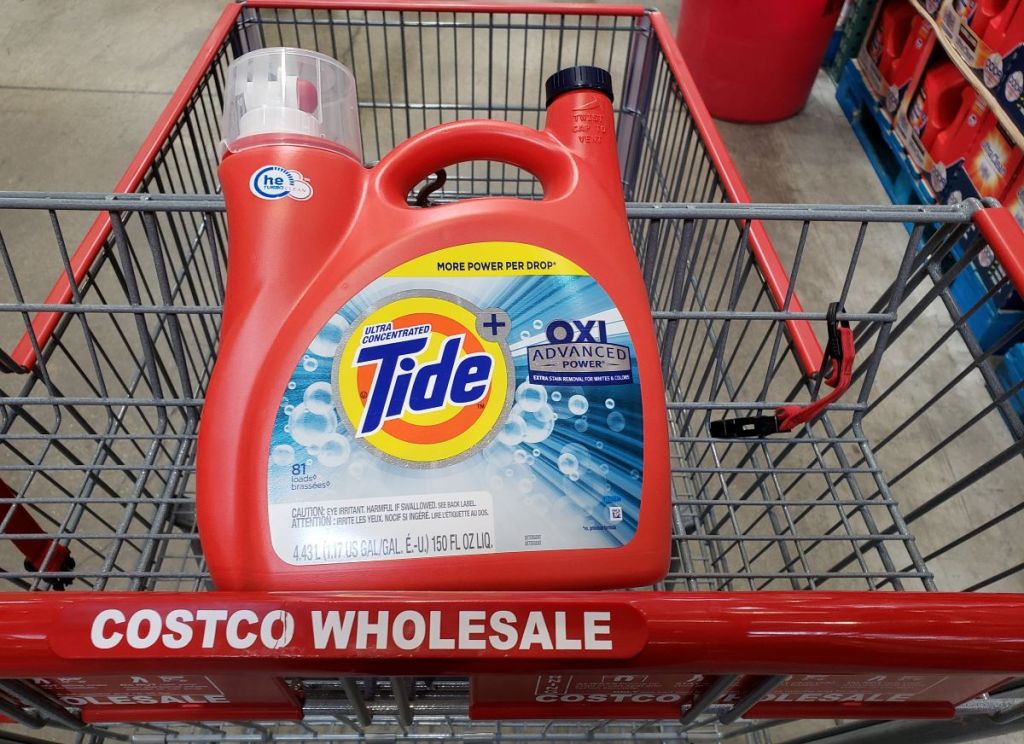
column 40, row 555
column 836, row 372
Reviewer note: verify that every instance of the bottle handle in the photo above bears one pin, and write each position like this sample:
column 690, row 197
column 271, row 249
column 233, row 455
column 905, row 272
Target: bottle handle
column 538, row 153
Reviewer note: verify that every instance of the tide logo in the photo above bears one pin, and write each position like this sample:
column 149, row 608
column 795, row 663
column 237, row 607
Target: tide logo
column 425, row 379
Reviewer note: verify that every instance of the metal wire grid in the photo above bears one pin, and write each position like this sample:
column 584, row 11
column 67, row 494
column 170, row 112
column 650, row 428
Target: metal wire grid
column 404, row 62
column 955, row 462
column 823, row 509
column 100, row 437
column 409, row 709
column 101, row 434
column 501, row 59
column 754, row 513
column 807, row 511
column 432, row 709
column 428, row 727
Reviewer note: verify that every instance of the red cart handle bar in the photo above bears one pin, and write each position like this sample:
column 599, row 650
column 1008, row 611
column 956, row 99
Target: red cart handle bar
column 836, row 372
column 707, row 632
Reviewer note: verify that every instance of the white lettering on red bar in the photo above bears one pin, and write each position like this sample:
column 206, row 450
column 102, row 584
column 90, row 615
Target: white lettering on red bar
column 408, row 630
column 610, row 697
column 121, row 699
column 502, row 630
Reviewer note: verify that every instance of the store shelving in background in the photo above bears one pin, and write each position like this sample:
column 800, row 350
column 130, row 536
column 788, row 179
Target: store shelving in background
column 873, row 103
column 849, row 35
column 997, row 106
column 978, row 150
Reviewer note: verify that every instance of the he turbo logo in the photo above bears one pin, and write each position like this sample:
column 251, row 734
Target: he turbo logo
column 272, row 182
column 425, row 378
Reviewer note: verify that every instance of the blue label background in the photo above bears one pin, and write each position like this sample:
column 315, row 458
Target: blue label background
column 536, row 488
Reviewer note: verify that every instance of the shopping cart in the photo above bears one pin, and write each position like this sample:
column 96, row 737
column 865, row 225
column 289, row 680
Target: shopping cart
column 908, row 484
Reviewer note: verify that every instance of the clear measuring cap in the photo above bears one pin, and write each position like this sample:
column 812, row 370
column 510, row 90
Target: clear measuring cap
column 286, row 91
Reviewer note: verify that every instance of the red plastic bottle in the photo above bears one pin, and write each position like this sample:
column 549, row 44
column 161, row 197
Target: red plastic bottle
column 1004, row 26
column 893, row 37
column 984, row 12
column 465, row 396
column 940, row 110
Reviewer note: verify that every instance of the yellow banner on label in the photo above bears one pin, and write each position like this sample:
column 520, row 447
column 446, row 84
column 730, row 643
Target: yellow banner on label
column 497, row 258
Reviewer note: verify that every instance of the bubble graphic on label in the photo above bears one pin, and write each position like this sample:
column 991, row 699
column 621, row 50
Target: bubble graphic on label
column 335, row 451
column 634, row 473
column 309, row 364
column 536, row 452
column 520, row 457
column 291, row 385
column 539, row 423
column 519, row 477
column 309, row 428
column 282, row 454
column 599, row 444
column 538, row 324
column 616, row 421
column 288, row 410
column 556, row 396
column 287, row 428
column 495, row 483
column 578, row 454
column 313, row 449
column 581, row 424
column 318, row 398
column 325, row 344
column 357, row 470
column 568, row 463
column 578, row 405
column 531, row 397
column 524, row 335
column 609, row 403
column 574, row 476
column 603, row 468
column 513, row 431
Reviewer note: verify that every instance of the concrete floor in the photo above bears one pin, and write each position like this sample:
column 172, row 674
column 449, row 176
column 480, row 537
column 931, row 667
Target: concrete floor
column 82, row 82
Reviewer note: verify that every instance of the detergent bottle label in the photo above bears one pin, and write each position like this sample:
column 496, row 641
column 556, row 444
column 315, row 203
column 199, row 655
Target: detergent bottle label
column 482, row 398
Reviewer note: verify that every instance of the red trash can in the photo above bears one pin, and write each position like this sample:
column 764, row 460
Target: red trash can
column 755, row 60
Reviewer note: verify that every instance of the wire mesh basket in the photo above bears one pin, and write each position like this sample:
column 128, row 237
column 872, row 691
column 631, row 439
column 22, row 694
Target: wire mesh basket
column 909, row 481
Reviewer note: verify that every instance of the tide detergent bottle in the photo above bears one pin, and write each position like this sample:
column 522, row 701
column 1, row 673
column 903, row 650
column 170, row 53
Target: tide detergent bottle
column 466, row 396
